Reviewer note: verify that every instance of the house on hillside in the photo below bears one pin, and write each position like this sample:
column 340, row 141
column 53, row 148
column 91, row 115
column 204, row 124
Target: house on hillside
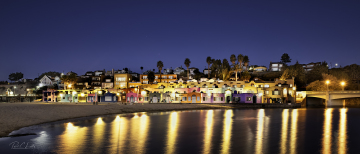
column 48, row 80
column 276, row 66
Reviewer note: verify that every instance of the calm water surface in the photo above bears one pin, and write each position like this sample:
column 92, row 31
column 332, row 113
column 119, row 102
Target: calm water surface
column 331, row 130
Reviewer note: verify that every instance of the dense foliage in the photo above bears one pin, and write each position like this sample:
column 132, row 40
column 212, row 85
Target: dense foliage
column 69, row 79
column 16, row 76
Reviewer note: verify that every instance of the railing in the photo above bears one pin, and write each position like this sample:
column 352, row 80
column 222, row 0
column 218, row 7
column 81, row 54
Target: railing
column 333, row 92
column 315, row 92
column 346, row 92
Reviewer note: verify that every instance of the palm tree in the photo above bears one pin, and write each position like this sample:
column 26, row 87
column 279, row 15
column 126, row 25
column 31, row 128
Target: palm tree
column 240, row 58
column 209, row 61
column 246, row 61
column 160, row 65
column 187, row 64
column 233, row 60
column 141, row 69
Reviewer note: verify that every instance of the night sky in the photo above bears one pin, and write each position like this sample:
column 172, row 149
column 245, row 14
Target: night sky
column 79, row 36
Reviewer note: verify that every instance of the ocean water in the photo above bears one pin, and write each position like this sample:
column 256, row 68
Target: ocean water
column 330, row 130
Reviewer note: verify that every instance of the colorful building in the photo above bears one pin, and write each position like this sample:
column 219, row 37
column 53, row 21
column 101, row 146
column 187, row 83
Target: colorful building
column 179, row 91
column 121, row 80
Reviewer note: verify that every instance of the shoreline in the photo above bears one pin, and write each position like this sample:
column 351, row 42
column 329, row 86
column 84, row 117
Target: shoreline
column 14, row 116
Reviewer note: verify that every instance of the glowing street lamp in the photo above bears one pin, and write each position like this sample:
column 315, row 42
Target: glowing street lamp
column 294, row 91
column 343, row 85
column 69, row 86
column 327, row 84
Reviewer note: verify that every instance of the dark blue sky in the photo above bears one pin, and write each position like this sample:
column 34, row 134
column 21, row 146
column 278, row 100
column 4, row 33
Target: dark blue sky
column 39, row 36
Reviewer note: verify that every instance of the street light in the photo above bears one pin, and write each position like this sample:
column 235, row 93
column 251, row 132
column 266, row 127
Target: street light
column 343, row 85
column 327, row 84
column 14, row 90
column 294, row 91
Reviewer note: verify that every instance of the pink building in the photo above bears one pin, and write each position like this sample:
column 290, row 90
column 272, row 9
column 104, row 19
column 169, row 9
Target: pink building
column 131, row 97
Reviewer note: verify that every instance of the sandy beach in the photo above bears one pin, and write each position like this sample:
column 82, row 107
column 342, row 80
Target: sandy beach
column 14, row 116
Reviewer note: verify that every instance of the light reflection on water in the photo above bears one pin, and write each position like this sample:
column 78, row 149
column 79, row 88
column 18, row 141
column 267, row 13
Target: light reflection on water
column 225, row 147
column 259, row 131
column 342, row 132
column 293, row 136
column 326, row 147
column 98, row 135
column 262, row 131
column 284, row 131
column 172, row 133
column 208, row 131
column 70, row 139
column 116, row 131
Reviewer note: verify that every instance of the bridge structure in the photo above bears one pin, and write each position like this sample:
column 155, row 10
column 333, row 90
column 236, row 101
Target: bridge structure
column 330, row 98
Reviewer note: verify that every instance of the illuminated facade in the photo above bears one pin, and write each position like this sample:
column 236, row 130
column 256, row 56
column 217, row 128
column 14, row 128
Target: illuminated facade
column 121, row 81
column 179, row 91
column 165, row 78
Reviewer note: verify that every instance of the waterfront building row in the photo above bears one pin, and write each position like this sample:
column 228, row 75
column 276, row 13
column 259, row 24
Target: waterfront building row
column 193, row 91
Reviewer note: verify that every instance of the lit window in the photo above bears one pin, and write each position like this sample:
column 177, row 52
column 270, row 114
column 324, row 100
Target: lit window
column 276, row 92
column 120, row 79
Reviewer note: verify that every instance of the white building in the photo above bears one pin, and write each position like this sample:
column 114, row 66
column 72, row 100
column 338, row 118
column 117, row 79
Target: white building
column 178, row 70
column 48, row 80
column 206, row 71
column 276, row 66
column 168, row 71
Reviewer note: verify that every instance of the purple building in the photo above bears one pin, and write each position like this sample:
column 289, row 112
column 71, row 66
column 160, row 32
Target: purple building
column 246, row 98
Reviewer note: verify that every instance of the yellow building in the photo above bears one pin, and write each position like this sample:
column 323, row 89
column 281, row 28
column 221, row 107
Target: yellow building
column 134, row 84
column 165, row 78
column 121, row 81
column 271, row 91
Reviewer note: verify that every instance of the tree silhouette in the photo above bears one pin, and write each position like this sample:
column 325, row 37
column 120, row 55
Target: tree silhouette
column 187, row 64
column 246, row 61
column 285, row 58
column 233, row 61
column 160, row 65
column 240, row 60
column 208, row 61
column 151, row 77
column 16, row 76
